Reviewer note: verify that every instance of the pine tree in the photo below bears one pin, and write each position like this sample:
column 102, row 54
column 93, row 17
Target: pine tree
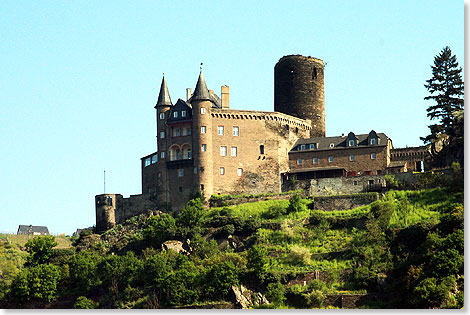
column 446, row 89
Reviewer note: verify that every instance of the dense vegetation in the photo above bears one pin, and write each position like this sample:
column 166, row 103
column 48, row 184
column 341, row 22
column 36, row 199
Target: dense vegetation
column 402, row 251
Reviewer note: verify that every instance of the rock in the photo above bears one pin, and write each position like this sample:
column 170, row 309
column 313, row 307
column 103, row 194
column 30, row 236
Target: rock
column 245, row 298
column 177, row 246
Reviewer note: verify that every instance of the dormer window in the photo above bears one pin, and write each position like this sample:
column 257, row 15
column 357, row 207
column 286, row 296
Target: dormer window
column 183, row 113
column 332, row 145
column 175, row 114
column 312, row 146
column 162, row 115
column 302, row 147
column 351, row 143
column 373, row 141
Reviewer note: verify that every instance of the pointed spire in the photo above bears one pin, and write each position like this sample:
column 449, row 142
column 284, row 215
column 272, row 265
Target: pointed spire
column 201, row 93
column 164, row 96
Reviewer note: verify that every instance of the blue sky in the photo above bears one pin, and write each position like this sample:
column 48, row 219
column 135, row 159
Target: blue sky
column 79, row 80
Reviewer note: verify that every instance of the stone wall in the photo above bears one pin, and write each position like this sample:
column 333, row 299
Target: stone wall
column 214, row 202
column 343, row 202
column 348, row 301
column 340, row 185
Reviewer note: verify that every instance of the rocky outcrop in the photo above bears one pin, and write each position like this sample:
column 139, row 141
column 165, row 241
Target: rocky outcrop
column 245, row 298
column 177, row 246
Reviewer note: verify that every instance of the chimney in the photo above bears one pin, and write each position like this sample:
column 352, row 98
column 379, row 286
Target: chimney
column 225, row 94
column 188, row 94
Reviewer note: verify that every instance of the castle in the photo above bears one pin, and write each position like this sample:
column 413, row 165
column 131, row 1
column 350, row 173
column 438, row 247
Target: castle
column 205, row 146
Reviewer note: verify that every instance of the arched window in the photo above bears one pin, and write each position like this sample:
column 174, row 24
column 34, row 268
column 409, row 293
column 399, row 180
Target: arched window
column 175, row 153
column 187, row 154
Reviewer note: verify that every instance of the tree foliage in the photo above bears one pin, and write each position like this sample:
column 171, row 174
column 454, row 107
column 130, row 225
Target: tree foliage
column 446, row 90
column 40, row 249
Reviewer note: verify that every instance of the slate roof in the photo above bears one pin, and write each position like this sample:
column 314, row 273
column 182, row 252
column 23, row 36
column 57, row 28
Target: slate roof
column 179, row 107
column 164, row 96
column 31, row 229
column 339, row 142
column 201, row 93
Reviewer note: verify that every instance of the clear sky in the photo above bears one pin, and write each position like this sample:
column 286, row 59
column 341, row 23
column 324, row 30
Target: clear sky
column 79, row 80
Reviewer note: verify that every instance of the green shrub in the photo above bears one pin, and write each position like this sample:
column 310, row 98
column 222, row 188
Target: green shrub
column 275, row 293
column 274, row 212
column 159, row 229
column 299, row 255
column 219, row 280
column 40, row 249
column 83, row 270
column 296, row 204
column 258, row 261
column 38, row 282
column 84, row 303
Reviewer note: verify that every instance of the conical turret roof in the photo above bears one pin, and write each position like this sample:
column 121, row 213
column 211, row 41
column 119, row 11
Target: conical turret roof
column 201, row 93
column 164, row 96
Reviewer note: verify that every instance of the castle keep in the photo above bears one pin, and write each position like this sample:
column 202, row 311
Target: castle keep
column 205, row 146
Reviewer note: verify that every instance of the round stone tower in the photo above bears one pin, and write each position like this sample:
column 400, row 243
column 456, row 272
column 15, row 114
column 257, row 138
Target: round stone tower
column 299, row 90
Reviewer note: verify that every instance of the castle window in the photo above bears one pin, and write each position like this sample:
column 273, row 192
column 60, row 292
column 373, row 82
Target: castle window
column 175, row 114
column 155, row 158
column 203, row 129
column 240, row 172
column 202, row 187
column 220, row 130
column 183, row 113
column 109, row 201
column 147, row 161
column 351, row 157
column 195, row 170
column 203, row 147
column 351, row 143
column 296, row 129
column 162, row 155
column 314, row 73
column 188, row 131
column 261, row 149
column 302, row 147
column 223, row 151
column 330, row 158
column 373, row 156
column 162, row 134
column 315, row 160
column 176, row 132
column 332, row 145
column 180, row 173
column 234, row 151
column 222, row 171
column 236, row 131
column 355, row 183
column 372, row 141
column 203, row 110
column 299, row 162
column 162, row 115
column 312, row 146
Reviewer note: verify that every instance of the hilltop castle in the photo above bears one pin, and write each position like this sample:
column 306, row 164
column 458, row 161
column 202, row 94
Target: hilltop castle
column 205, row 146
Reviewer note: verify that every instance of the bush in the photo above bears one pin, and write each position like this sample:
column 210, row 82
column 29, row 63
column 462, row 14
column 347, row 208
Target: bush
column 296, row 204
column 83, row 270
column 274, row 212
column 38, row 282
column 299, row 255
column 258, row 261
column 275, row 293
column 40, row 249
column 159, row 229
column 84, row 303
column 219, row 280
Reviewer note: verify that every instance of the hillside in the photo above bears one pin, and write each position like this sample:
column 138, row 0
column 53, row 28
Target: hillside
column 402, row 251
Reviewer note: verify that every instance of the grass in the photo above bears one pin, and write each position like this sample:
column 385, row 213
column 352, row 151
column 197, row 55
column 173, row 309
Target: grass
column 20, row 240
column 252, row 209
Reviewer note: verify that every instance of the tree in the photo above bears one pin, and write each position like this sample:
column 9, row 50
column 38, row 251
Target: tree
column 258, row 261
column 446, row 89
column 159, row 229
column 40, row 249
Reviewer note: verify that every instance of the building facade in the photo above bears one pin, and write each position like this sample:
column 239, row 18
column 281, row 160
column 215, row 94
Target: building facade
column 205, row 146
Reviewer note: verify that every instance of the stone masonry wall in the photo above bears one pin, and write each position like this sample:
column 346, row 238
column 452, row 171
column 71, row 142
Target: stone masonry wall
column 343, row 202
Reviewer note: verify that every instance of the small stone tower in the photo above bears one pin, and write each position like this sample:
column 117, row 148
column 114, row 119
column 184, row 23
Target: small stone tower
column 299, row 90
column 163, row 106
column 202, row 139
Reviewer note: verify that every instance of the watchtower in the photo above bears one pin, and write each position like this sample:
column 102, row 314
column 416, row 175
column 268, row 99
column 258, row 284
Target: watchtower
column 299, row 90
